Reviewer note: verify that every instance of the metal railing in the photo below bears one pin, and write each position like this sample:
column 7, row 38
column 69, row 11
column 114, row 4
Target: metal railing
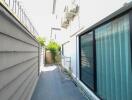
column 17, row 10
column 66, row 62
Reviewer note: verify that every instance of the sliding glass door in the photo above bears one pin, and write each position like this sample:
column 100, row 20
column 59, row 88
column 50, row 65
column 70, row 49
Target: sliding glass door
column 113, row 54
column 109, row 48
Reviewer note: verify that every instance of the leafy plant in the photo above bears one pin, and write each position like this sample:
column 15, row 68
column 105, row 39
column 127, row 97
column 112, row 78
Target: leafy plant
column 54, row 47
column 41, row 40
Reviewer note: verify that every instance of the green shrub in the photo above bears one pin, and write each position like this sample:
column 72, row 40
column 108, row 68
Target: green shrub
column 41, row 40
column 54, row 47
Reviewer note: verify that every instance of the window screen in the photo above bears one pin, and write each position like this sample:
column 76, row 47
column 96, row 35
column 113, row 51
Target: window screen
column 86, row 60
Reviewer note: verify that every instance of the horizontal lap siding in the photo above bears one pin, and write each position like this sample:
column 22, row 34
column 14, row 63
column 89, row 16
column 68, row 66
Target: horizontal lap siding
column 18, row 60
column 10, row 28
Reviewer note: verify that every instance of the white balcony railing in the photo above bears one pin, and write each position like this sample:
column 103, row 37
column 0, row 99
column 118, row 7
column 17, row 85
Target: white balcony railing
column 69, row 14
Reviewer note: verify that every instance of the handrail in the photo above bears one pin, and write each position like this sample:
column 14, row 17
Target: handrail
column 14, row 7
column 65, row 56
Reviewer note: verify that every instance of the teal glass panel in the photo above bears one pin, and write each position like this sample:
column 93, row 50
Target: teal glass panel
column 113, row 56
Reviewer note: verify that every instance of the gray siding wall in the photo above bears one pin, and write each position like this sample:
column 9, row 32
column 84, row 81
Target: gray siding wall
column 19, row 59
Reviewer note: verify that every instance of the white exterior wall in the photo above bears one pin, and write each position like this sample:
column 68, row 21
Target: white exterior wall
column 73, row 55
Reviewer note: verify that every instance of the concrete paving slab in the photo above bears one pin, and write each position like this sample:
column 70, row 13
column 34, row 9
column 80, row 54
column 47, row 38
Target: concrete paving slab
column 55, row 85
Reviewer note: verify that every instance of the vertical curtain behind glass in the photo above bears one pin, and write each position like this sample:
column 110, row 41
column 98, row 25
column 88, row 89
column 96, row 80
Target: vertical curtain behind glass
column 114, row 73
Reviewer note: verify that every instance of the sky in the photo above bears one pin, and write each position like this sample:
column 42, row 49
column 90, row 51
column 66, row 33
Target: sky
column 40, row 12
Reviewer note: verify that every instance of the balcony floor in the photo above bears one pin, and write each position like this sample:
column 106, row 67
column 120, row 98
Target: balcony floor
column 55, row 85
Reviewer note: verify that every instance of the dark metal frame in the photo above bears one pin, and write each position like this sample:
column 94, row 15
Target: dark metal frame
column 130, row 21
column 79, row 40
column 94, row 62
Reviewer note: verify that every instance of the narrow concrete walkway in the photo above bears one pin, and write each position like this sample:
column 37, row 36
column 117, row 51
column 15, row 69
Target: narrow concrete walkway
column 55, row 85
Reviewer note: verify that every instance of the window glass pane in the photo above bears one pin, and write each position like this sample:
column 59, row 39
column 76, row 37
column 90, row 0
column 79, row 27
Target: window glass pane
column 86, row 57
column 113, row 56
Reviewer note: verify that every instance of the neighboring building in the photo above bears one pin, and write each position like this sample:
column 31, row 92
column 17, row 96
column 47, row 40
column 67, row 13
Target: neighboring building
column 55, row 34
column 99, row 55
